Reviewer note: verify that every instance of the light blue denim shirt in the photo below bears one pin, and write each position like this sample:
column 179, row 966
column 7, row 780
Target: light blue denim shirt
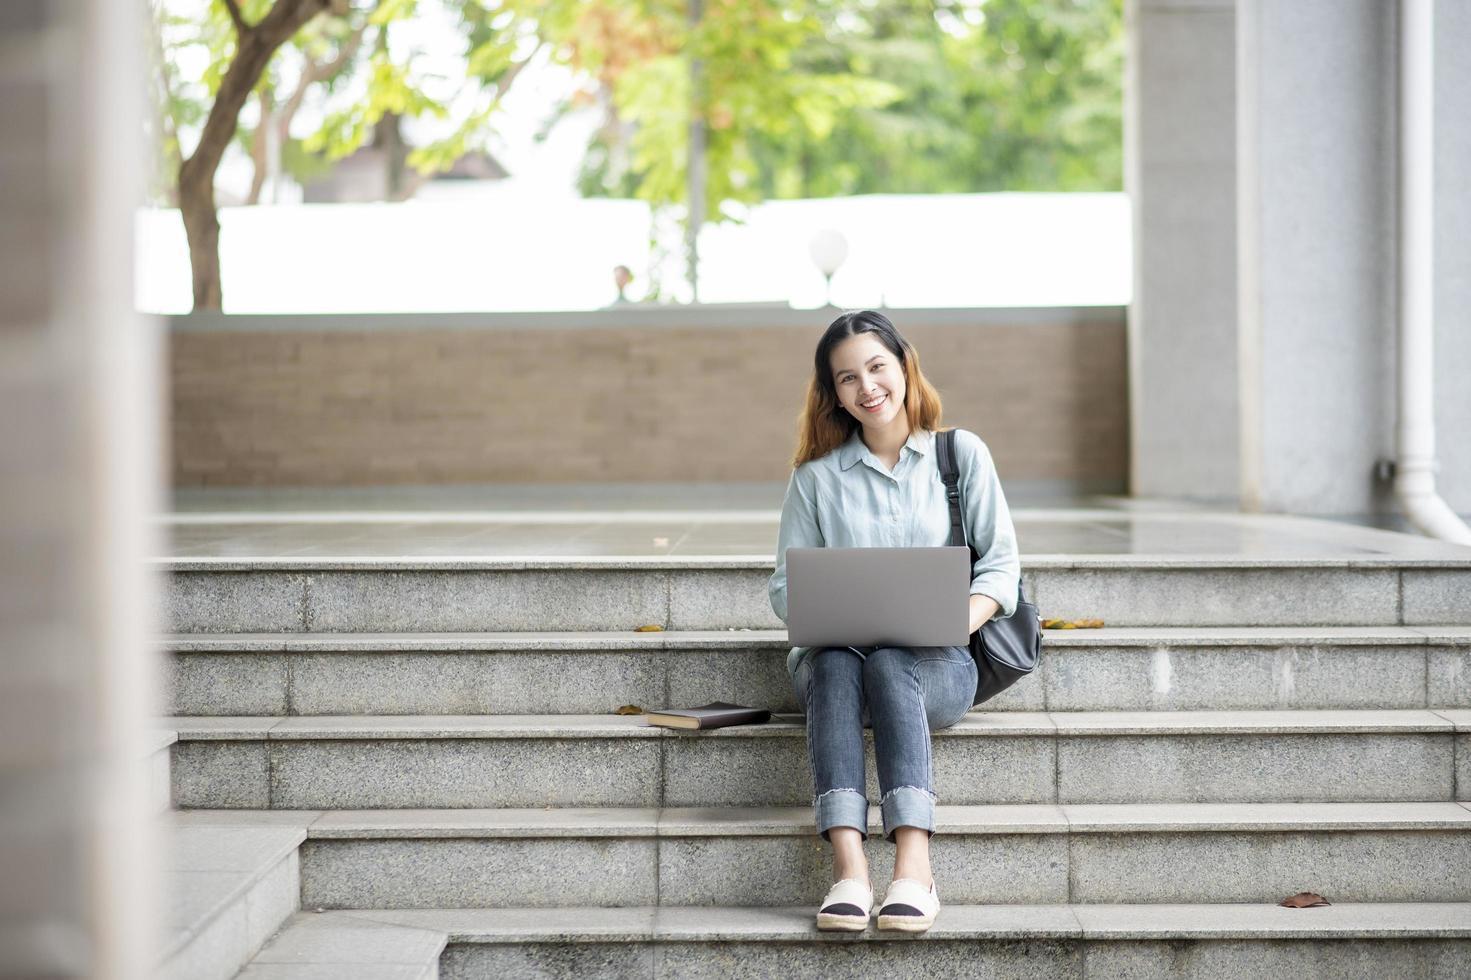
column 848, row 499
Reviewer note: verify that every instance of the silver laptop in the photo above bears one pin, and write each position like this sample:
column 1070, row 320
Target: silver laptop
column 913, row 597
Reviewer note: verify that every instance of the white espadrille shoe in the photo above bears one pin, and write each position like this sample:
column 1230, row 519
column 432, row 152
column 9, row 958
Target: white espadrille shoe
column 846, row 908
column 909, row 906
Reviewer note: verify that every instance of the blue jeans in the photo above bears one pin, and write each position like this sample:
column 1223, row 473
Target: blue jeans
column 904, row 693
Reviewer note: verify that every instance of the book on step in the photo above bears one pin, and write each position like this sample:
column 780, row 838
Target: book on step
column 716, row 714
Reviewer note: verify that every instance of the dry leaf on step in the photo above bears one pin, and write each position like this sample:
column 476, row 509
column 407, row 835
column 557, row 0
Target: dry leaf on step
column 1072, row 624
column 650, row 628
column 1304, row 900
column 629, row 709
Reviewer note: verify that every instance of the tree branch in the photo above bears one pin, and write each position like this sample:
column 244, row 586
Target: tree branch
column 314, row 72
column 251, row 56
column 233, row 6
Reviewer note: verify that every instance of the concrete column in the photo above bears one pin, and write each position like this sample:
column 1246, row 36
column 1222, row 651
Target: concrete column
column 79, row 469
column 1453, row 251
column 1180, row 173
column 1316, row 233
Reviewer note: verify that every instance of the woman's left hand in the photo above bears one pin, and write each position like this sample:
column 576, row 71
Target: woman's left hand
column 982, row 608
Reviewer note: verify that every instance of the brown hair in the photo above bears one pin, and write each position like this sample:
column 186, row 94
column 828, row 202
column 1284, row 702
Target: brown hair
column 824, row 425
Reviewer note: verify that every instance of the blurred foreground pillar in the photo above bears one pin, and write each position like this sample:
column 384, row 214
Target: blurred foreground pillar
column 79, row 472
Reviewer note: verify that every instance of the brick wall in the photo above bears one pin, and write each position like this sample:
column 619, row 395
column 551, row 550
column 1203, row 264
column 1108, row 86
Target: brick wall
column 534, row 399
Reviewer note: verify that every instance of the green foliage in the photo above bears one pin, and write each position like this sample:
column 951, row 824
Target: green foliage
column 888, row 96
column 197, row 44
column 799, row 98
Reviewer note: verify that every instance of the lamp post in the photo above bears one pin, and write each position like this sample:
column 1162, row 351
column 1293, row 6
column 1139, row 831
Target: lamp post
column 828, row 250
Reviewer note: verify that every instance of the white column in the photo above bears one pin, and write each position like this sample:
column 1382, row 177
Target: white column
column 1180, row 163
column 1453, row 252
column 1316, row 253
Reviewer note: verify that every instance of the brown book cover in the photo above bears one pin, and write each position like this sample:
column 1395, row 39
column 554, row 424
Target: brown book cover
column 716, row 714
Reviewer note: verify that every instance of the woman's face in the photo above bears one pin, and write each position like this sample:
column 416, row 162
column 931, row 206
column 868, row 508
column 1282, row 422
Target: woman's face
column 869, row 380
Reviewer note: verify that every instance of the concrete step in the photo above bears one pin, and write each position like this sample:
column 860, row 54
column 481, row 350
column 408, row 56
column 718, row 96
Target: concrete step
column 1420, row 940
column 1082, row 854
column 156, row 769
column 1111, row 669
column 282, row 594
column 227, row 886
column 987, row 758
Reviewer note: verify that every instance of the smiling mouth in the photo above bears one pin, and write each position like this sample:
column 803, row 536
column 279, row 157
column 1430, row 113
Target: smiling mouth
column 875, row 406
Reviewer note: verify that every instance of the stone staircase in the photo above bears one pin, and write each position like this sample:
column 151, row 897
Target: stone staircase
column 433, row 742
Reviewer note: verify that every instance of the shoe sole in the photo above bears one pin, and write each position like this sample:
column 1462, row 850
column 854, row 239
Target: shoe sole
column 828, row 922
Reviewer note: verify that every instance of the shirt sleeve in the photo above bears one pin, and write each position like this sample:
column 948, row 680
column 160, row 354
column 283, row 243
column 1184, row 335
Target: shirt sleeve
column 997, row 572
column 799, row 529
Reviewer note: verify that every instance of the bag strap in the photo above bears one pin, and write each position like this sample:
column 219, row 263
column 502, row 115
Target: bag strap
column 950, row 473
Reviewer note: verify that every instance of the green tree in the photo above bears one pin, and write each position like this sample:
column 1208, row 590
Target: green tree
column 1001, row 95
column 639, row 54
column 283, row 52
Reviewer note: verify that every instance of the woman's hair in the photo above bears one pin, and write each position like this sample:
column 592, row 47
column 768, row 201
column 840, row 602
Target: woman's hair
column 825, row 425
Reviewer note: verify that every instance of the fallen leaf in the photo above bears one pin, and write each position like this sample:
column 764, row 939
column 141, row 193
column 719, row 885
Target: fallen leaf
column 629, row 709
column 650, row 628
column 1072, row 624
column 1304, row 900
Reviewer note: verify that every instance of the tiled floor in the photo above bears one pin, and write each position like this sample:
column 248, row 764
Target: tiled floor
column 709, row 520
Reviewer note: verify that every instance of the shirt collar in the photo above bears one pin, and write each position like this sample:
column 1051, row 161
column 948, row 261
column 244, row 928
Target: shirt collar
column 919, row 441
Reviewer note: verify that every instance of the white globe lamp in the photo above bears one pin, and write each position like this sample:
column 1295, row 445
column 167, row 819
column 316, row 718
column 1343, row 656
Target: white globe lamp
column 828, row 250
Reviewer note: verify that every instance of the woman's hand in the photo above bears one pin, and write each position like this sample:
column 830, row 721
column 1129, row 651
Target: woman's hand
column 982, row 608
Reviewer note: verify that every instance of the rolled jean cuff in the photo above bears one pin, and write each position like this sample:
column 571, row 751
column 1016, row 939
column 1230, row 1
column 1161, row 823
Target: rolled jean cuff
column 842, row 808
column 908, row 806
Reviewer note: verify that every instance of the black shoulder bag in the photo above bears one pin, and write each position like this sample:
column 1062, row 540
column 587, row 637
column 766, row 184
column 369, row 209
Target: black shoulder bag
column 1004, row 649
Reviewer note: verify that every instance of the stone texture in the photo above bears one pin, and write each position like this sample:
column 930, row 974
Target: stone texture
column 562, row 961
column 1448, row 676
column 1346, row 866
column 509, row 822
column 1437, row 596
column 849, row 957
column 982, row 868
column 160, row 787
column 704, row 600
column 1336, row 959
column 767, row 922
column 272, row 901
column 1407, row 720
column 219, row 918
column 221, row 774
column 228, row 848
column 474, row 683
column 1233, row 677
column 1270, row 921
column 483, row 873
column 1216, row 817
column 513, row 925
column 338, row 971
column 777, row 771
column 234, row 602
column 309, row 938
column 1463, row 767
column 215, row 951
column 225, row 684
column 755, row 677
column 599, row 599
column 1223, row 596
column 464, row 773
column 1253, row 768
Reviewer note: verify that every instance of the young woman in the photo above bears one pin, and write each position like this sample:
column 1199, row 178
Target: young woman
column 866, row 475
